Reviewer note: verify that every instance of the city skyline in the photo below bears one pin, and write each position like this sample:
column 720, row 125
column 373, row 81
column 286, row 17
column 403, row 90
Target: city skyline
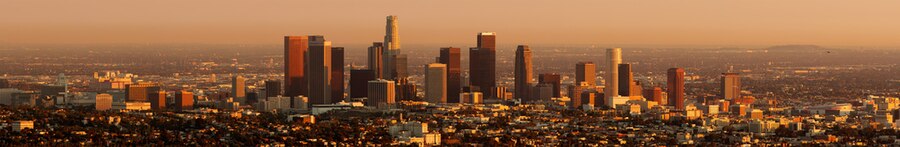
column 323, row 89
column 708, row 23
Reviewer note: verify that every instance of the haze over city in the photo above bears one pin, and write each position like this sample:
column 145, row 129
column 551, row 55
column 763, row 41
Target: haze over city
column 696, row 23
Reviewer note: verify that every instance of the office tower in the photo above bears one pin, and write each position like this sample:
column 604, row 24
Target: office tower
column 499, row 92
column 381, row 93
column 337, row 74
column 586, row 72
column 541, row 92
column 405, row 90
column 731, row 86
column 103, row 102
column 400, row 67
column 376, row 52
column 636, row 89
column 295, row 50
column 675, row 88
column 590, row 98
column 436, row 83
column 391, row 48
column 184, row 100
column 450, row 57
column 575, row 93
column 139, row 92
column 158, row 100
column 252, row 97
column 359, row 80
column 482, row 61
column 318, row 70
column 523, row 73
column 273, row 88
column 613, row 59
column 238, row 89
column 552, row 79
column 626, row 80
column 472, row 98
column 654, row 94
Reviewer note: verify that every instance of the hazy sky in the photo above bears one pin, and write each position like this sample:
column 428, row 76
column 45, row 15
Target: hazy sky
column 870, row 23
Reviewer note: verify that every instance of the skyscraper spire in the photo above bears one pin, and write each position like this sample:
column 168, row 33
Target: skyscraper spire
column 391, row 48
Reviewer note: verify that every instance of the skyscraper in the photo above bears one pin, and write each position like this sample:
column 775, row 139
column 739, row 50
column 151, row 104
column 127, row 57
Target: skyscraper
column 586, row 72
column 483, row 62
column 731, row 86
column 654, row 94
column 158, row 100
column 553, row 80
column 140, row 92
column 675, row 87
column 523, row 73
column 184, row 100
column 337, row 74
column 450, row 57
column 436, row 83
column 273, row 88
column 295, row 48
column 318, row 70
column 103, row 102
column 381, row 93
column 238, row 89
column 613, row 59
column 400, row 67
column 359, row 80
column 405, row 90
column 391, row 47
column 626, row 80
column 376, row 52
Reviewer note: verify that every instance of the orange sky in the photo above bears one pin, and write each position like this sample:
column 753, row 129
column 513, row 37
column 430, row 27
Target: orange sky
column 870, row 23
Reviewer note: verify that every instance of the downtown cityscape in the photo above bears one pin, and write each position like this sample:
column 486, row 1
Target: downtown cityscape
column 316, row 91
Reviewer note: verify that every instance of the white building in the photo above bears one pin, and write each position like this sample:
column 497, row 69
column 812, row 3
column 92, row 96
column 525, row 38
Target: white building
column 137, row 106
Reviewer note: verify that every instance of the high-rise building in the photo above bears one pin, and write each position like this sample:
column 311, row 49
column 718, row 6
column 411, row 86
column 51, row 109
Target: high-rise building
column 731, row 86
column 575, row 93
column 238, row 89
column 523, row 73
column 675, row 88
column 359, row 80
column 139, row 92
column 103, row 102
column 400, row 67
column 626, row 80
column 554, row 80
column 613, row 59
column 405, row 90
column 586, row 72
column 337, row 74
column 273, row 88
column 295, row 50
column 436, row 83
column 184, row 100
column 391, row 48
column 318, row 70
column 381, row 93
column 541, row 92
column 483, row 61
column 472, row 98
column 158, row 100
column 654, row 94
column 376, row 52
column 450, row 57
